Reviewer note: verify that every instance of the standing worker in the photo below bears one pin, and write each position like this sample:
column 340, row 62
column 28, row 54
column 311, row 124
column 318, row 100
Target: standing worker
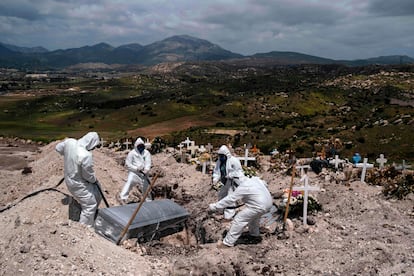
column 227, row 167
column 138, row 164
column 254, row 194
column 79, row 174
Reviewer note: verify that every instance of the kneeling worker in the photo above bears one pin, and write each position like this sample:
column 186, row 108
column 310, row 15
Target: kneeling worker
column 254, row 194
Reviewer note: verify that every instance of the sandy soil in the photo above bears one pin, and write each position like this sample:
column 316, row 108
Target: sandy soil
column 358, row 231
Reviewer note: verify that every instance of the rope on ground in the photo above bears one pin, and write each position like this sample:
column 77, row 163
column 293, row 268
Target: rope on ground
column 33, row 194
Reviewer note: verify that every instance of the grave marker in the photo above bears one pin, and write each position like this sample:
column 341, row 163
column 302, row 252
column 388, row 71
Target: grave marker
column 381, row 161
column 403, row 166
column 301, row 168
column 336, row 161
column 102, row 142
column 182, row 154
column 187, row 142
column 127, row 143
column 118, row 144
column 365, row 165
column 246, row 157
column 192, row 148
column 306, row 189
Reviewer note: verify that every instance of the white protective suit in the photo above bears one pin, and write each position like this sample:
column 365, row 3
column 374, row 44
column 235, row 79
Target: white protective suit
column 254, row 194
column 233, row 169
column 138, row 165
column 79, row 174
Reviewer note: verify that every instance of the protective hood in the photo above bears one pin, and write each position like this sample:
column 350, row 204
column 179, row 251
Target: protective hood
column 224, row 150
column 89, row 141
column 139, row 141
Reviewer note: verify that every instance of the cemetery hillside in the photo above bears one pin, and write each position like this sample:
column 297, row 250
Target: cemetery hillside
column 333, row 143
column 370, row 108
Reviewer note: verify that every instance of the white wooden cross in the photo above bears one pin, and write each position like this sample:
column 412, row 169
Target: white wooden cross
column 127, row 143
column 187, row 142
column 192, row 148
column 365, row 165
column 117, row 144
column 180, row 146
column 246, row 157
column 381, row 161
column 306, row 189
column 336, row 161
column 102, row 142
column 301, row 168
column 403, row 167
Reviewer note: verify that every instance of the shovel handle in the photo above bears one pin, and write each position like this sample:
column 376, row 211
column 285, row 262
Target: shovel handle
column 290, row 192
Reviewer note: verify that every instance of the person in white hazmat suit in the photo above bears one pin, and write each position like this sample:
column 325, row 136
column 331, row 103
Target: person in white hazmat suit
column 138, row 164
column 79, row 174
column 227, row 166
column 257, row 199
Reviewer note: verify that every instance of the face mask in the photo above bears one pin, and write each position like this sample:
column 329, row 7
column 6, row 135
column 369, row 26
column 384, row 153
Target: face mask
column 141, row 148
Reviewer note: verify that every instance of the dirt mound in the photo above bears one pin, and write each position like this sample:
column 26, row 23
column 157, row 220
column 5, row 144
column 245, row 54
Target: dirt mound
column 357, row 231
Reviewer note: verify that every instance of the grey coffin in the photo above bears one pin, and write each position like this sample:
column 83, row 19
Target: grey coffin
column 156, row 218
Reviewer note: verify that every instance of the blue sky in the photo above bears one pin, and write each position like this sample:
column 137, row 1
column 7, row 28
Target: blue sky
column 338, row 29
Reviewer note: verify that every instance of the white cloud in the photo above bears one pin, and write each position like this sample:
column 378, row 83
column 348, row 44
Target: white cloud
column 344, row 29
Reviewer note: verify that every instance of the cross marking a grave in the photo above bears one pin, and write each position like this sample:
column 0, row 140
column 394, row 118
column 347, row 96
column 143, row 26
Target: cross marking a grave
column 246, row 157
column 118, row 144
column 301, row 168
column 336, row 161
column 306, row 189
column 127, row 143
column 187, row 142
column 181, row 147
column 365, row 165
column 381, row 161
column 102, row 142
column 192, row 148
column 403, row 167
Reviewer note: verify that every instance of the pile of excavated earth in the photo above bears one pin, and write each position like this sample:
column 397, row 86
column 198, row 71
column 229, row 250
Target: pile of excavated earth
column 357, row 231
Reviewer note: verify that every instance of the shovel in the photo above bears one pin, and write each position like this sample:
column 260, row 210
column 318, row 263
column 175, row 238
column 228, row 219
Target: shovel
column 290, row 193
column 136, row 210
column 102, row 194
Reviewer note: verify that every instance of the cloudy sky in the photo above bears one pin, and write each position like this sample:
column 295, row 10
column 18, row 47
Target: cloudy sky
column 339, row 29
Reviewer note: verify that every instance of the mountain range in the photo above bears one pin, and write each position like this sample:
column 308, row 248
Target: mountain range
column 180, row 48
